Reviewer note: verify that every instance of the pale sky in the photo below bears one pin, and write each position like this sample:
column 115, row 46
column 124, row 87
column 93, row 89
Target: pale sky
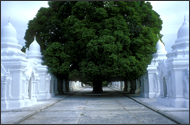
column 171, row 12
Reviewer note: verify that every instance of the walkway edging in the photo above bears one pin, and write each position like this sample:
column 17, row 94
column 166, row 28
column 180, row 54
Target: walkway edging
column 37, row 111
column 171, row 117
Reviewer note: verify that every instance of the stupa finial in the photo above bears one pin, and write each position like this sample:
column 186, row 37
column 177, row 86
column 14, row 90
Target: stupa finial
column 184, row 18
column 34, row 37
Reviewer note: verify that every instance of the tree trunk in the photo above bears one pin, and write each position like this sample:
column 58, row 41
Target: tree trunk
column 60, row 86
column 125, row 88
column 64, row 86
column 97, row 87
column 67, row 84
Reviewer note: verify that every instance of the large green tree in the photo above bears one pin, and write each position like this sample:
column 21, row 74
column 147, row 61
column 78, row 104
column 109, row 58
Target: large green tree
column 96, row 40
column 46, row 26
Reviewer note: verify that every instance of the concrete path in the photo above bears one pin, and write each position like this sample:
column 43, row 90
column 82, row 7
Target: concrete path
column 83, row 107
column 178, row 115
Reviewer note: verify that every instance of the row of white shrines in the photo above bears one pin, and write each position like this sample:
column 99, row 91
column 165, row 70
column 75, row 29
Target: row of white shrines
column 24, row 80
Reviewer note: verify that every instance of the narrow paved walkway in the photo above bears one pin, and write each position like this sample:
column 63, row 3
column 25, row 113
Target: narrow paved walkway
column 83, row 107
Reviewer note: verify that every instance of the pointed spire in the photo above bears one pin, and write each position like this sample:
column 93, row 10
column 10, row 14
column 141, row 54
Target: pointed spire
column 184, row 18
column 34, row 37
column 185, row 21
column 159, row 38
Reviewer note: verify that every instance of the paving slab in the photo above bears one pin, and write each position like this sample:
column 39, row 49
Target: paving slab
column 102, row 102
column 51, row 120
column 105, row 114
column 136, row 108
column 80, row 107
column 10, row 117
column 104, row 107
column 150, row 117
column 179, row 115
column 67, row 103
column 61, row 114
column 64, row 108
column 129, row 120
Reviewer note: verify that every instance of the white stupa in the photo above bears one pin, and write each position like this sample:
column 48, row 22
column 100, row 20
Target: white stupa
column 15, row 61
column 182, row 41
column 176, row 65
column 34, row 52
column 153, row 87
column 181, row 46
column 160, row 47
column 9, row 33
column 10, row 49
column 161, row 52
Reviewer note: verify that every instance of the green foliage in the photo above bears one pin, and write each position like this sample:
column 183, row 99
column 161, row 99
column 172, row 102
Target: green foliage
column 90, row 40
column 89, row 83
column 23, row 49
column 105, row 83
column 57, row 60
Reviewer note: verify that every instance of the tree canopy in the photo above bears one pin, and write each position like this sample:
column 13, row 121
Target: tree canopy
column 96, row 40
